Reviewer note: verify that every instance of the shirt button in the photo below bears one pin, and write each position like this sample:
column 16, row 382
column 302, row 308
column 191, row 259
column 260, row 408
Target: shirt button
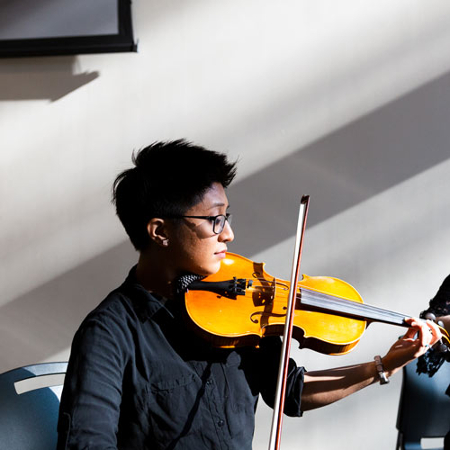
column 220, row 423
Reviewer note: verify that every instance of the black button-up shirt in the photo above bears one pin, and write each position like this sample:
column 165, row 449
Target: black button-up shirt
column 139, row 379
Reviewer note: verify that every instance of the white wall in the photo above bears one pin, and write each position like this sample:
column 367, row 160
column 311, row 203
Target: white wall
column 345, row 101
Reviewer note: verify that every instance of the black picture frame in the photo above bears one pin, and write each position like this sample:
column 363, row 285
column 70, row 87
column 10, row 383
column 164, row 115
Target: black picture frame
column 123, row 41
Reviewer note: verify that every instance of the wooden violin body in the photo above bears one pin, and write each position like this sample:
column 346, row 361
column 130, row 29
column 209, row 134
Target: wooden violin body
column 257, row 307
column 242, row 303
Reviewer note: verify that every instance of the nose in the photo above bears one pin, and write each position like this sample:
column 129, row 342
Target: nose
column 227, row 234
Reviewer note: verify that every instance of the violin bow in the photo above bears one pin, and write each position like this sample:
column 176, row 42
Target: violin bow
column 280, row 393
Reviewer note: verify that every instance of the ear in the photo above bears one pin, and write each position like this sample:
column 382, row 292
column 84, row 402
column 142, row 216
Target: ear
column 157, row 231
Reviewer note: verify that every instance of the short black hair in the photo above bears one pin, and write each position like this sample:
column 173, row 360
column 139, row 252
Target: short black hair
column 167, row 179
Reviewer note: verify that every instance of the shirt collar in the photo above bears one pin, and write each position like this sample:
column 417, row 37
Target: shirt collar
column 146, row 303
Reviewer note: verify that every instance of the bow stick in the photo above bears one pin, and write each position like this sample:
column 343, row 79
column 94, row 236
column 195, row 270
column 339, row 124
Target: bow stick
column 280, row 393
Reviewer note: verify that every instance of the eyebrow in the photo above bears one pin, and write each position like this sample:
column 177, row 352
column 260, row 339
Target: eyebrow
column 215, row 205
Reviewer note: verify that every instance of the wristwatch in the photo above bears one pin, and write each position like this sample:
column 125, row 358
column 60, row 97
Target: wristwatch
column 380, row 369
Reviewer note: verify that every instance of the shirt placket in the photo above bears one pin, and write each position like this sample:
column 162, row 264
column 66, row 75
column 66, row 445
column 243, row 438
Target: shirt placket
column 215, row 404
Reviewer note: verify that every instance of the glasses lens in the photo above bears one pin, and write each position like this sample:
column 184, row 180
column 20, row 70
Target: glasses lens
column 219, row 223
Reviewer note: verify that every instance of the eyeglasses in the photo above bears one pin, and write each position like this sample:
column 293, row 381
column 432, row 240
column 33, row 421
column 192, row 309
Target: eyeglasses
column 217, row 221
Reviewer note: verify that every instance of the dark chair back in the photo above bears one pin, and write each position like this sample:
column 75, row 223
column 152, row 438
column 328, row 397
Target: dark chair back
column 424, row 409
column 28, row 419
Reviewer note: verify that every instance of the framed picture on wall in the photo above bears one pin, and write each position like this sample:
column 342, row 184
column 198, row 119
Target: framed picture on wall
column 61, row 27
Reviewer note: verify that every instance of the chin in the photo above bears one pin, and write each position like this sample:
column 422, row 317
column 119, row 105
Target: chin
column 210, row 270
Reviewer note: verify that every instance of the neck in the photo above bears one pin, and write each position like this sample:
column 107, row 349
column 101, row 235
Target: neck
column 154, row 275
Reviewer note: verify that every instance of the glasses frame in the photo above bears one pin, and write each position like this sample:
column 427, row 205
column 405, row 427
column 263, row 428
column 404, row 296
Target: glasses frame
column 227, row 218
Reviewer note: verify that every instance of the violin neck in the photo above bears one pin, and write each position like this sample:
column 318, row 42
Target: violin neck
column 318, row 301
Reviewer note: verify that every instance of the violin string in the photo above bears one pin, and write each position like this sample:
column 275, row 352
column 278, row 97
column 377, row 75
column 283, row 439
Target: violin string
column 343, row 301
column 306, row 293
column 338, row 304
column 347, row 306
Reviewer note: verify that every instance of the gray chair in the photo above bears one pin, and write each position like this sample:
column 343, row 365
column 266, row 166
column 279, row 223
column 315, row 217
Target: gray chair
column 28, row 419
column 424, row 409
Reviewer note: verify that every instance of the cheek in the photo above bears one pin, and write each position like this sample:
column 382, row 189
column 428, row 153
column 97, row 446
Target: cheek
column 202, row 259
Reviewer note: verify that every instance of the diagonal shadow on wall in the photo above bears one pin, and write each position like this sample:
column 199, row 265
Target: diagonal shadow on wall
column 347, row 167
column 41, row 78
column 42, row 323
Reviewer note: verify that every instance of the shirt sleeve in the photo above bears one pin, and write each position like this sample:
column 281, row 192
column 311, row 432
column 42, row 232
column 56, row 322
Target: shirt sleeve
column 270, row 348
column 90, row 402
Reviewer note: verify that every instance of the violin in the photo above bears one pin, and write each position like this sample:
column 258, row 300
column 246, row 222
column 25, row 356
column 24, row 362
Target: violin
column 242, row 303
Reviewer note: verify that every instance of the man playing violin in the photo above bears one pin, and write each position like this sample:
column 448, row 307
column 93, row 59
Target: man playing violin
column 138, row 377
